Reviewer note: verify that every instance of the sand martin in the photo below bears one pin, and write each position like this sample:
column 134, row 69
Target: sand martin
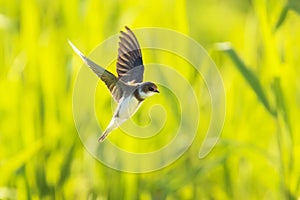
column 128, row 89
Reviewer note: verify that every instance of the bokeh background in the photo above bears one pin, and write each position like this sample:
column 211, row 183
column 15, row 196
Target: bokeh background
column 257, row 156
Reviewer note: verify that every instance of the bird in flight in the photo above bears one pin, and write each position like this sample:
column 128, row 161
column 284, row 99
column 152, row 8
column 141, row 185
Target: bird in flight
column 128, row 89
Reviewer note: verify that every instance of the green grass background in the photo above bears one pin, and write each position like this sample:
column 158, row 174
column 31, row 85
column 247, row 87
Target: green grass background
column 257, row 156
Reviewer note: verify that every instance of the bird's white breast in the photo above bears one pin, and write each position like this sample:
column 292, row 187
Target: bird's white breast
column 128, row 107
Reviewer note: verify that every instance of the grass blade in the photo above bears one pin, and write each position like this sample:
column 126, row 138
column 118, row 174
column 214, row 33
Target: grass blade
column 282, row 17
column 281, row 105
column 291, row 5
column 294, row 5
column 249, row 76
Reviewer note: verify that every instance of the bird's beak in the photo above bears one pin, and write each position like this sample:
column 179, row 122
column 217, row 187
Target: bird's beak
column 156, row 91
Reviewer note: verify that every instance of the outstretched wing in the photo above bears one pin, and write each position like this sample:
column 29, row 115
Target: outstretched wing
column 108, row 78
column 130, row 66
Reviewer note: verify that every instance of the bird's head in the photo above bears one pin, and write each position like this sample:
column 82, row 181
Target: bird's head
column 148, row 89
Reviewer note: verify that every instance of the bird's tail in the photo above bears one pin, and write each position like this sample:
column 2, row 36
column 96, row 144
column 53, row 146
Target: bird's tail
column 112, row 125
column 103, row 136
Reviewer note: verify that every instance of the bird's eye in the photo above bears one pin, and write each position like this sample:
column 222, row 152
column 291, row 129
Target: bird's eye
column 151, row 89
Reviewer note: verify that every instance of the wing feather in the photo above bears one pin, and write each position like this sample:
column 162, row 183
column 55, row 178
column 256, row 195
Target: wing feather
column 130, row 66
column 111, row 81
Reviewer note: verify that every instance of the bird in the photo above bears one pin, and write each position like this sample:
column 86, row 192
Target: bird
column 127, row 89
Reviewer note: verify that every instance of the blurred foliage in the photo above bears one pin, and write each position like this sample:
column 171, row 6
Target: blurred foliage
column 292, row 5
column 41, row 155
